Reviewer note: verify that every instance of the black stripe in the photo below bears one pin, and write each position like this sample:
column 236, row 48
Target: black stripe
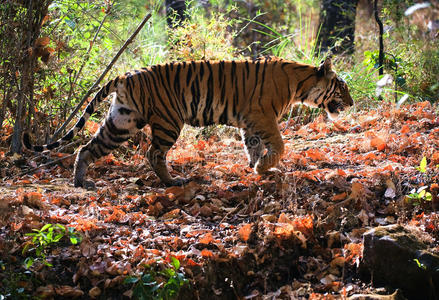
column 223, row 118
column 167, row 89
column 163, row 141
column 130, row 84
column 70, row 135
column 102, row 141
column 165, row 106
column 81, row 123
column 299, row 85
column 209, row 99
column 90, row 108
column 93, row 152
column 53, row 145
column 116, row 138
column 201, row 72
column 274, row 109
column 189, row 74
column 167, row 132
column 112, row 128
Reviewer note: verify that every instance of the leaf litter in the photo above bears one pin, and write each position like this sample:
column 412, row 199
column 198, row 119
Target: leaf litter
column 291, row 234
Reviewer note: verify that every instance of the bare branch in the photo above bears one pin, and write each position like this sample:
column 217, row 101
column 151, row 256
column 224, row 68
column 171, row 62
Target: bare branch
column 115, row 58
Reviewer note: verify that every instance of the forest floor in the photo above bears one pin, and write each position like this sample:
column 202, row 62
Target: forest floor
column 294, row 233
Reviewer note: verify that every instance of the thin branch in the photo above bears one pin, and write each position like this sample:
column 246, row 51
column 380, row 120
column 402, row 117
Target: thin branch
column 381, row 27
column 115, row 58
column 53, row 162
column 87, row 55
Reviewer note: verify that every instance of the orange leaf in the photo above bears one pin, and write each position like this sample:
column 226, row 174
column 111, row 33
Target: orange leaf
column 245, row 231
column 191, row 263
column 340, row 172
column 206, row 239
column 207, row 253
column 34, row 196
column 201, row 145
column 339, row 197
column 405, row 129
column 315, row 154
column 91, row 126
column 378, row 143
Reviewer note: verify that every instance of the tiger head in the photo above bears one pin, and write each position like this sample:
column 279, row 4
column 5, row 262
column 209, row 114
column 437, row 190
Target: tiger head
column 330, row 92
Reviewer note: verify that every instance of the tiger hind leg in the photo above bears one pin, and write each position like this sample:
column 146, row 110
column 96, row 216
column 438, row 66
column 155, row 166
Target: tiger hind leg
column 162, row 140
column 120, row 124
column 253, row 146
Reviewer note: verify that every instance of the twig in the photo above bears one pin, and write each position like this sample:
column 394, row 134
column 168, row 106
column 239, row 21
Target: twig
column 232, row 211
column 59, row 150
column 53, row 162
column 87, row 55
column 380, row 25
column 115, row 58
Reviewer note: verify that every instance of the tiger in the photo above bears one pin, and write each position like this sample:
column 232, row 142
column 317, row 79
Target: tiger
column 251, row 94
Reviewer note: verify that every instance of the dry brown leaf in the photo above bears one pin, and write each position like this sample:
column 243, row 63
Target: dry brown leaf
column 44, row 292
column 171, row 214
column 68, row 291
column 94, row 292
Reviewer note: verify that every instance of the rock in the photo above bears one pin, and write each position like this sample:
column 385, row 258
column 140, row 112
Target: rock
column 396, row 256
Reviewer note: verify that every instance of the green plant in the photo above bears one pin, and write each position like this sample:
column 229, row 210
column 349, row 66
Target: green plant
column 419, row 264
column 420, row 195
column 160, row 285
column 45, row 237
column 416, row 197
column 202, row 37
column 16, row 284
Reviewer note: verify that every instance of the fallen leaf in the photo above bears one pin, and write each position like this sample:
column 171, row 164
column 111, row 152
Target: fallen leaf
column 206, row 239
column 245, row 232
column 378, row 144
column 207, row 253
column 68, row 291
column 94, row 292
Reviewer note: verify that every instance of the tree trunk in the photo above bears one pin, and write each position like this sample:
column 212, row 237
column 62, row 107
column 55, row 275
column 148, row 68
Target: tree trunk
column 29, row 31
column 337, row 26
column 175, row 12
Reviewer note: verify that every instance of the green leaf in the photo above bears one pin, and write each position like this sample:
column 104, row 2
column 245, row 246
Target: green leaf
column 423, row 165
column 130, row 279
column 428, row 196
column 28, row 262
column 175, row 263
column 70, row 23
column 45, row 227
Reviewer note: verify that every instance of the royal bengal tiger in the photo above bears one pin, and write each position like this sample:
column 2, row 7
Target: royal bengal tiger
column 249, row 94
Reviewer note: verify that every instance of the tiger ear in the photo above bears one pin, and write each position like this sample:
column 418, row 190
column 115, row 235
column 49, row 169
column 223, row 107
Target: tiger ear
column 325, row 69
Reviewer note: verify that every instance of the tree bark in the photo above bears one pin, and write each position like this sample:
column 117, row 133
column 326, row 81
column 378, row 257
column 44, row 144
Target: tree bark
column 337, row 26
